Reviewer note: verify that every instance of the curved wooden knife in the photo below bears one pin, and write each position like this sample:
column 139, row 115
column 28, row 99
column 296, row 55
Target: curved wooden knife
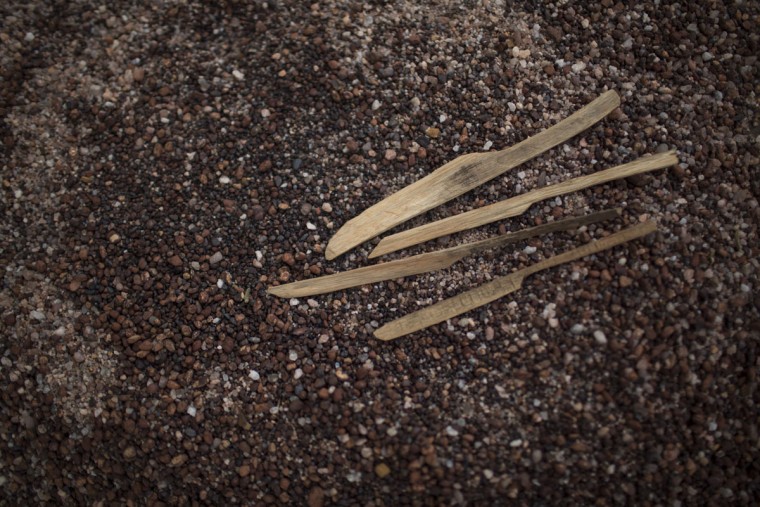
column 461, row 175
column 457, row 305
column 519, row 204
column 431, row 261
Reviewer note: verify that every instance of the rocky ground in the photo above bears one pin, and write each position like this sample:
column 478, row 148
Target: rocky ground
column 163, row 163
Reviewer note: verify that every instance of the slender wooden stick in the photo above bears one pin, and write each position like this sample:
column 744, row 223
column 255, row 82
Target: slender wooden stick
column 428, row 261
column 517, row 205
column 461, row 175
column 502, row 286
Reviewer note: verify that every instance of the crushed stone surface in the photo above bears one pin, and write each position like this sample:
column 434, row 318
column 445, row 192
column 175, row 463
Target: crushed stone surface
column 163, row 163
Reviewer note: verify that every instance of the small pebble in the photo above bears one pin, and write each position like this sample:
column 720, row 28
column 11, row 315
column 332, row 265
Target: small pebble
column 216, row 258
column 382, row 470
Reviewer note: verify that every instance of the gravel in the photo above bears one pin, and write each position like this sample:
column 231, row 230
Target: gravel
column 163, row 165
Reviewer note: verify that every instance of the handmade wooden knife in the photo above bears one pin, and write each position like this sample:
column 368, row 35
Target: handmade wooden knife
column 461, row 175
column 428, row 261
column 518, row 205
column 502, row 286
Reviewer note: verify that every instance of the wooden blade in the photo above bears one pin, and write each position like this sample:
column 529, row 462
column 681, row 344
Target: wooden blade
column 517, row 205
column 461, row 175
column 502, row 286
column 428, row 261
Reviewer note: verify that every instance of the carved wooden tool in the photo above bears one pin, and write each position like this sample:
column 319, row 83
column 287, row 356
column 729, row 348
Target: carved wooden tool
column 517, row 205
column 428, row 261
column 502, row 286
column 461, row 175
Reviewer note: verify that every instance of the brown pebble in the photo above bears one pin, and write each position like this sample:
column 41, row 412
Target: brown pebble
column 382, row 470
column 316, row 497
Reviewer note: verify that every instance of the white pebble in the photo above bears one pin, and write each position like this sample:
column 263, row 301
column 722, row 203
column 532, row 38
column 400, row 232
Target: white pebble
column 487, row 146
column 451, row 431
column 294, row 302
column 577, row 67
column 311, row 226
column 298, row 373
column 488, row 474
column 376, row 105
column 37, row 315
column 529, row 250
column 191, row 411
column 265, row 113
column 220, row 283
column 577, row 329
column 293, row 355
column 238, row 75
column 254, row 375
column 512, row 107
column 521, row 175
column 515, row 443
column 600, row 337
column 224, row 180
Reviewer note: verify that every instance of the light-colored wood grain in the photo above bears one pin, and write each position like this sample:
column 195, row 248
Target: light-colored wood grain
column 461, row 175
column 502, row 286
column 518, row 205
column 428, row 261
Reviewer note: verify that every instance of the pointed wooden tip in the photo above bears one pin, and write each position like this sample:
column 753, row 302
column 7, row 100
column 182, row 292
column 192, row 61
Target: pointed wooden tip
column 377, row 251
column 275, row 291
column 385, row 333
column 611, row 94
column 331, row 253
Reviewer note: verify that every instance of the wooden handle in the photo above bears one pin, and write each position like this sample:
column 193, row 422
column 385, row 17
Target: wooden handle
column 618, row 238
column 461, row 175
column 565, row 224
column 516, row 205
column 638, row 166
column 500, row 287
